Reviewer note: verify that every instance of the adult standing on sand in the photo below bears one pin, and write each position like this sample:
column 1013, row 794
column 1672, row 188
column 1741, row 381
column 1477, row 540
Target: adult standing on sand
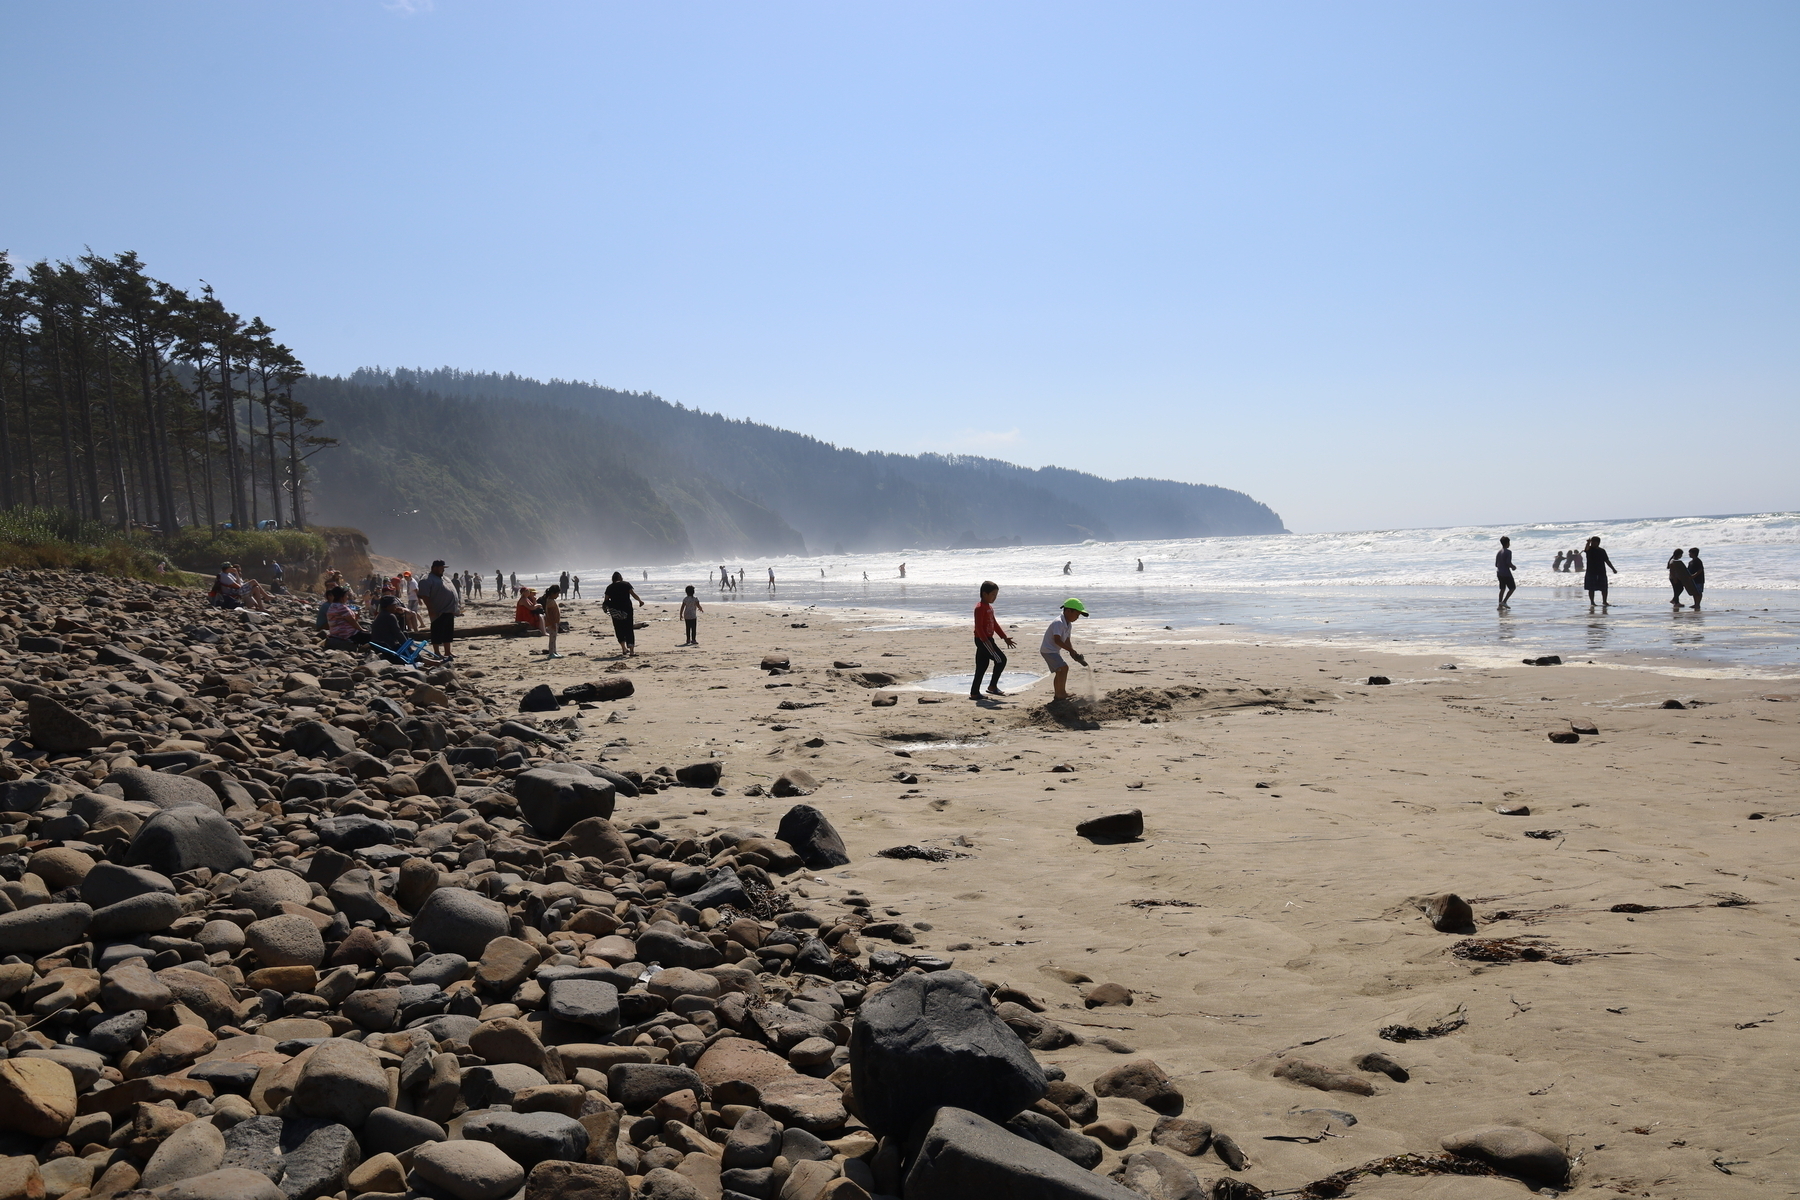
column 619, row 595
column 441, row 602
column 1678, row 577
column 1594, row 579
column 1503, row 567
column 987, row 628
column 1696, row 576
column 552, row 617
column 1056, row 640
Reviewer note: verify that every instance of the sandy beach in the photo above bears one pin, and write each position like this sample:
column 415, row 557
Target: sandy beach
column 1295, row 816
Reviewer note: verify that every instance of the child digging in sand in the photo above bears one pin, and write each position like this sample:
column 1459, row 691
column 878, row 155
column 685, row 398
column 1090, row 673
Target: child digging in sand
column 1056, row 640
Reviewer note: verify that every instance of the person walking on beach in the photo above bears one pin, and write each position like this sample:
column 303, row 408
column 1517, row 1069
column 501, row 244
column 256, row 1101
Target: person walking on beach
column 987, row 628
column 1696, row 576
column 1056, row 641
column 1503, row 567
column 575, row 585
column 552, row 617
column 1594, row 578
column 619, row 595
column 771, row 579
column 1678, row 577
column 690, row 616
column 514, row 580
column 441, row 602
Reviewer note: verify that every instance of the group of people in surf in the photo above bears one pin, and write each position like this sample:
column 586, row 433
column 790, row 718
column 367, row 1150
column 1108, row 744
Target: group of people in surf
column 1686, row 576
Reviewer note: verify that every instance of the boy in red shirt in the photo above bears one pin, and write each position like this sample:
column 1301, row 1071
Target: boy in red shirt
column 986, row 630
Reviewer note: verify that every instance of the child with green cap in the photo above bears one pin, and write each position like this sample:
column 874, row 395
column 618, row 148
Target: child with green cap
column 1056, row 640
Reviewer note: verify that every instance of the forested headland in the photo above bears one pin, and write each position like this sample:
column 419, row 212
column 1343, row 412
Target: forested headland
column 493, row 465
column 140, row 421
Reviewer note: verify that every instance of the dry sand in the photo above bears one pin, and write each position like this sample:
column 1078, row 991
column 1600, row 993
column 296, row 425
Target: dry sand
column 1292, row 814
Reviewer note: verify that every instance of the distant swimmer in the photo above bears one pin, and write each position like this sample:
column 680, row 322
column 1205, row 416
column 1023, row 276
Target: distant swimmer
column 903, row 570
column 1594, row 578
column 1696, row 576
column 1557, row 565
column 1066, row 567
column 865, row 577
column 1678, row 577
column 1574, row 562
column 1503, row 567
column 1140, row 564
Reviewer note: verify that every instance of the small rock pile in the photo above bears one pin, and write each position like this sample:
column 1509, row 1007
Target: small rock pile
column 284, row 924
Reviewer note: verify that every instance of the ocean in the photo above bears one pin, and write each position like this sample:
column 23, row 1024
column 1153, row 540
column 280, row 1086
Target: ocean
column 1428, row 591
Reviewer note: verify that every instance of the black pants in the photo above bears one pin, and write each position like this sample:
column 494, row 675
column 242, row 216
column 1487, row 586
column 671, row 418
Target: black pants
column 693, row 628
column 986, row 652
column 623, row 631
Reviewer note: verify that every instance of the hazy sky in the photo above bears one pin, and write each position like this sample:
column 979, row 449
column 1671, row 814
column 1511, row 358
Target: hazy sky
column 1376, row 264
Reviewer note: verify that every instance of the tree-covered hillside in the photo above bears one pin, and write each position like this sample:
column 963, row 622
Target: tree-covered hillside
column 486, row 463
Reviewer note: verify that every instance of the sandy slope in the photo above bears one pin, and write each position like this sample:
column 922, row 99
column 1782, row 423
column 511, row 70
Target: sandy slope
column 1665, row 1047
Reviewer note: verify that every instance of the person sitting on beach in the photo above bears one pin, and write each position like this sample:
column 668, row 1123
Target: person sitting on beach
column 1678, row 577
column 987, row 628
column 1503, row 567
column 1594, row 579
column 227, row 589
column 343, row 629
column 1696, row 576
column 525, row 612
column 389, row 630
column 1056, row 641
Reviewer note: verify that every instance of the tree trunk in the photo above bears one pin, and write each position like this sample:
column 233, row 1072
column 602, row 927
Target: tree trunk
column 25, row 419
column 115, row 434
column 72, row 496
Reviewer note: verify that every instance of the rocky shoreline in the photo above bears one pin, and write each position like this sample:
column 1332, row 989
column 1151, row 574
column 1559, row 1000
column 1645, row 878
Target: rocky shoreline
column 284, row 924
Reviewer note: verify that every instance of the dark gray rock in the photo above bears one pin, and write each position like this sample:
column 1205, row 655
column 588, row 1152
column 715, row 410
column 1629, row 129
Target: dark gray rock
column 255, row 1145
column 354, row 831
column 589, row 1002
column 530, row 1138
column 109, row 883
column 441, row 969
column 639, row 1085
column 180, row 839
column 1113, row 827
column 1522, row 1152
column 963, row 1156
column 234, row 1078
column 452, row 921
column 539, row 699
column 316, row 1156
column 1085, row 1152
column 356, row 896
column 813, row 838
column 60, row 730
column 44, row 927
column 723, row 888
column 554, row 800
column 753, row 1142
column 390, row 1131
column 24, row 795
column 667, row 944
column 114, row 1034
column 928, row 1041
column 164, row 791
column 706, row 773
column 151, row 912
column 315, row 739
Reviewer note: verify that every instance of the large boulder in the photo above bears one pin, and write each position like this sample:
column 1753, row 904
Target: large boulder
column 151, row 912
column 264, row 892
column 811, row 835
column 553, row 801
column 162, row 790
column 37, row 1097
column 1522, row 1152
column 341, row 1080
column 929, row 1041
column 530, row 1138
column 468, row 1170
column 963, row 1156
column 180, row 839
column 59, row 730
column 109, row 883
column 315, row 739
column 452, row 921
column 44, row 927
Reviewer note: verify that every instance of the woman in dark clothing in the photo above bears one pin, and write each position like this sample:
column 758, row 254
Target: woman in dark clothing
column 1696, row 575
column 1598, row 564
column 619, row 595
column 1678, row 577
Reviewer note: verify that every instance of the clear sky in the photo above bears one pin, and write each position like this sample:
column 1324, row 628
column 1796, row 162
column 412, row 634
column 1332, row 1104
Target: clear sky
column 1377, row 264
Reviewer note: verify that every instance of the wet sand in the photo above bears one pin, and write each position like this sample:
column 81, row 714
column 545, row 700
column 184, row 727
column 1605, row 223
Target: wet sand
column 1293, row 813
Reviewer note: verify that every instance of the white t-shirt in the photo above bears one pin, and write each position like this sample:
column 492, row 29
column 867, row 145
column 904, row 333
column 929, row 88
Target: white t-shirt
column 1059, row 628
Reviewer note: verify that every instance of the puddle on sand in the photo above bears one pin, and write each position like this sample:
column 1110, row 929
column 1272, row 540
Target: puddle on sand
column 1010, row 683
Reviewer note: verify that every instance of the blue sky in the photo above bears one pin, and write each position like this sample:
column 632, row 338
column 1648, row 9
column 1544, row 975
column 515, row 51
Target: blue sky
column 1377, row 264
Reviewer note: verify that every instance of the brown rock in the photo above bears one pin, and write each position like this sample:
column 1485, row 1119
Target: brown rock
column 1141, row 1080
column 1320, row 1075
column 377, row 1173
column 1450, row 913
column 505, row 964
column 1182, row 1135
column 208, row 997
column 20, row 1180
column 510, row 1040
column 418, row 879
column 182, row 1046
column 60, row 867
column 597, row 837
column 1108, row 994
column 556, row 1180
column 37, row 1097
column 1116, row 1133
column 150, row 1090
column 1074, row 1100
column 60, row 730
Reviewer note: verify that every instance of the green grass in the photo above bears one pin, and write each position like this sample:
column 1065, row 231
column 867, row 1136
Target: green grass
column 47, row 539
